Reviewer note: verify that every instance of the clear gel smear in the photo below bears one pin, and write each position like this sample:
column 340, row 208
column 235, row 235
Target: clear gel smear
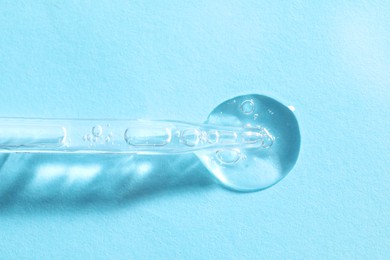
column 254, row 168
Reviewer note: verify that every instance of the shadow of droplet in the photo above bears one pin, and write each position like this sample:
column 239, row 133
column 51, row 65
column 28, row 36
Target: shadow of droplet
column 75, row 182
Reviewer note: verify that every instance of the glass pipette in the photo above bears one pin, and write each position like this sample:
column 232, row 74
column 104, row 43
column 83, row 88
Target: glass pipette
column 248, row 143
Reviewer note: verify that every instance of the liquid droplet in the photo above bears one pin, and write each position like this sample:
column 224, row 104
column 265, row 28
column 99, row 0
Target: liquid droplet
column 272, row 143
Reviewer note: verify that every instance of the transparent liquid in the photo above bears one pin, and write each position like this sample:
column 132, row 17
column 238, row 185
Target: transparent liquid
column 254, row 168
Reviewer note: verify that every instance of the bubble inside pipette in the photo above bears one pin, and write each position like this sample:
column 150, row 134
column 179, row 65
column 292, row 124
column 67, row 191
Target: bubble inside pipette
column 190, row 137
column 97, row 131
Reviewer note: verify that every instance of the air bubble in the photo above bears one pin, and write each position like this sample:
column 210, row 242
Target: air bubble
column 247, row 107
column 97, row 131
column 229, row 156
column 227, row 137
column 153, row 136
column 212, row 136
column 190, row 137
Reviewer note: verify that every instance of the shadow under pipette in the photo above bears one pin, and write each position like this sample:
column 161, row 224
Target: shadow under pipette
column 77, row 182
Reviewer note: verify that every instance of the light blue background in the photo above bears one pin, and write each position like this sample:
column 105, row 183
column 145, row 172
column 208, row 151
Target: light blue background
column 175, row 60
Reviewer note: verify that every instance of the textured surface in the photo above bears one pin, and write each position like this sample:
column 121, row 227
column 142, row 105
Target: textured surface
column 168, row 59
